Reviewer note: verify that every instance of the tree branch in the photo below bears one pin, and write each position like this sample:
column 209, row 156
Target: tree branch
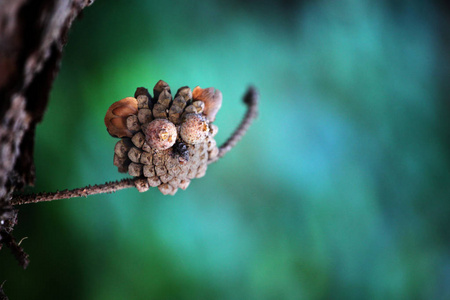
column 109, row 187
column 251, row 99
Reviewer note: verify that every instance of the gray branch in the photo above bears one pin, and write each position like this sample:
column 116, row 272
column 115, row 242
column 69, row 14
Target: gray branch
column 109, row 187
column 251, row 99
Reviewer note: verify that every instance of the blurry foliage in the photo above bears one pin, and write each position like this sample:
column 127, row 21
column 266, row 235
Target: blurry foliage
column 340, row 189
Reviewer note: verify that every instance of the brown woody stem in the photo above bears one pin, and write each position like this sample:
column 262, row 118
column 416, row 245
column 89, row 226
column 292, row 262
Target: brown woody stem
column 109, row 187
column 251, row 99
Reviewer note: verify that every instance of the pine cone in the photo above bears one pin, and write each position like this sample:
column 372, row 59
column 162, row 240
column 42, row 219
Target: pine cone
column 169, row 141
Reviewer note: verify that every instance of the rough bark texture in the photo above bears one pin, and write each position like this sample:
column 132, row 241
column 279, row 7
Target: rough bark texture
column 32, row 36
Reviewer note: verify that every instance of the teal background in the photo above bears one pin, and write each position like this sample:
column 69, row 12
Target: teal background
column 340, row 190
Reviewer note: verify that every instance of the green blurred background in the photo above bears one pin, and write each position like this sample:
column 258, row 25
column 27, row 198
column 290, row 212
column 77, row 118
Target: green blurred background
column 340, row 190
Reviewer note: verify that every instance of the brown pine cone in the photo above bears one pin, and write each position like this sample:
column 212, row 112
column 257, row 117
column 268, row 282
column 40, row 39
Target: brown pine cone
column 169, row 139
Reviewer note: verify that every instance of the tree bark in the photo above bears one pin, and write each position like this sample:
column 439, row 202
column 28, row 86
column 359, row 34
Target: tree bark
column 32, row 36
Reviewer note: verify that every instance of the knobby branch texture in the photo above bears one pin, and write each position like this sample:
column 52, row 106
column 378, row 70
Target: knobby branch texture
column 109, row 187
column 32, row 36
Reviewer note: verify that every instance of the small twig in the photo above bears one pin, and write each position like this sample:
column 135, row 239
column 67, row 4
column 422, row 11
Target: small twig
column 251, row 99
column 109, row 187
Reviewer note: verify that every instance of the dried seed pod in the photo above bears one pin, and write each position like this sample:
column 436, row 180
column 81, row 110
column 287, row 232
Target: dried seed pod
column 184, row 184
column 185, row 92
column 158, row 158
column 194, row 129
column 201, row 171
column 149, row 171
column 211, row 144
column 175, row 182
column 134, row 155
column 212, row 99
column 171, row 161
column 133, row 123
column 121, row 163
column 179, row 101
column 146, row 147
column 199, row 106
column 160, row 170
column 191, row 109
column 117, row 114
column 176, row 110
column 167, row 189
column 165, row 98
column 175, row 171
column 159, row 87
column 142, row 101
column 141, row 185
column 213, row 129
column 159, row 111
column 160, row 134
column 184, row 169
column 166, row 178
column 153, row 153
column 144, row 115
column 146, row 158
column 192, row 173
column 175, row 114
column 138, row 139
column 154, row 181
column 144, row 92
column 213, row 153
column 121, row 149
column 135, row 169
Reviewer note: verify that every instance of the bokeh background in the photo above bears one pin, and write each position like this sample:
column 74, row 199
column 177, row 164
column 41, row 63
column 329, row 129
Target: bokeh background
column 340, row 190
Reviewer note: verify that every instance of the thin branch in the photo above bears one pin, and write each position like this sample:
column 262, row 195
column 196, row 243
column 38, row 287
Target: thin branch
column 109, row 187
column 251, row 99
